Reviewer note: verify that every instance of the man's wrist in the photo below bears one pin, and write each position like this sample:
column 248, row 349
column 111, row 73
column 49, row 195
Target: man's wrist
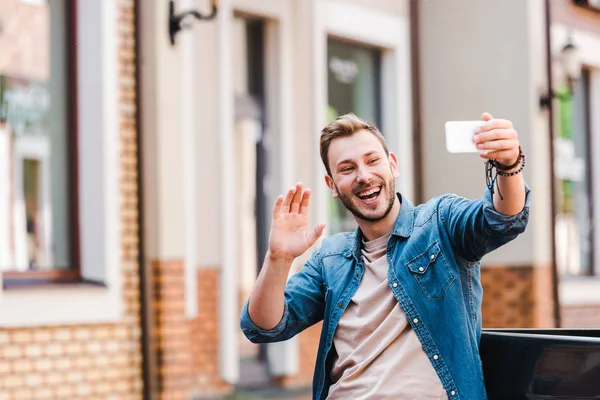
column 279, row 259
column 515, row 167
column 509, row 166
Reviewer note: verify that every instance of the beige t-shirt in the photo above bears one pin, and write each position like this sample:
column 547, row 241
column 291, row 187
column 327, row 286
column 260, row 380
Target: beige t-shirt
column 378, row 354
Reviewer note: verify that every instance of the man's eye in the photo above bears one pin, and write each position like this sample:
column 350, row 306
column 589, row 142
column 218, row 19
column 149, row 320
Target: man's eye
column 347, row 169
column 371, row 161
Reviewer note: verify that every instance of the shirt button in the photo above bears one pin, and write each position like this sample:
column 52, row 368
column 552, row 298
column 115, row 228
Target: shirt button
column 416, row 321
column 421, row 269
column 433, row 256
column 340, row 305
column 435, row 357
column 395, row 284
column 453, row 393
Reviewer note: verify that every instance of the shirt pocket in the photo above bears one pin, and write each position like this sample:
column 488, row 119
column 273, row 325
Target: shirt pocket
column 432, row 272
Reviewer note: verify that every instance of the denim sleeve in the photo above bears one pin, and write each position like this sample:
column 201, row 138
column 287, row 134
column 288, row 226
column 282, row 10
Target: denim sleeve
column 303, row 307
column 475, row 227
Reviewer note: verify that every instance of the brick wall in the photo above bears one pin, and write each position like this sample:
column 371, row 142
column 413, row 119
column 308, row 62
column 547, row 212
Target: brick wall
column 517, row 297
column 92, row 361
column 187, row 350
column 566, row 12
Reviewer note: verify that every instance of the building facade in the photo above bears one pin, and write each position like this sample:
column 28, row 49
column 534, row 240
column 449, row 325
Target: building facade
column 577, row 128
column 69, row 303
column 137, row 173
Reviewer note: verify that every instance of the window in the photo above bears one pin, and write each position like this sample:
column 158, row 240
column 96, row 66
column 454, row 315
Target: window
column 38, row 202
column 353, row 81
column 575, row 216
column 593, row 4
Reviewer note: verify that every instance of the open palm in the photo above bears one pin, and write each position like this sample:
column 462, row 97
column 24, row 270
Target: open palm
column 290, row 236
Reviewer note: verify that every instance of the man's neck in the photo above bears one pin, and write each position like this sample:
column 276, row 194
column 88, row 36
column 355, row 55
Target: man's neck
column 374, row 230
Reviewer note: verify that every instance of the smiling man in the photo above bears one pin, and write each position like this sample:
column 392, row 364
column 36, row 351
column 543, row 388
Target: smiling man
column 401, row 296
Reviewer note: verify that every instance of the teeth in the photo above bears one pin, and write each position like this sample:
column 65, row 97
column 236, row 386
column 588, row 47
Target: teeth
column 369, row 192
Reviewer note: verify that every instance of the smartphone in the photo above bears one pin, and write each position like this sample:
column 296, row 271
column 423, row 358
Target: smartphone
column 459, row 136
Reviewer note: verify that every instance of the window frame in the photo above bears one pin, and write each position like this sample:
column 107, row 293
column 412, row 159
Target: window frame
column 98, row 298
column 390, row 34
column 12, row 279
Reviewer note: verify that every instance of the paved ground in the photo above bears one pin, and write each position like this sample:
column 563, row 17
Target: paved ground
column 271, row 394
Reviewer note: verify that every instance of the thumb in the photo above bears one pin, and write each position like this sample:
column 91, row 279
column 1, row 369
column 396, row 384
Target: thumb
column 316, row 233
column 486, row 116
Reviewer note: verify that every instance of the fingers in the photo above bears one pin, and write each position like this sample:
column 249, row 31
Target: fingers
column 305, row 201
column 295, row 206
column 285, row 208
column 494, row 124
column 486, row 116
column 495, row 134
column 277, row 207
column 501, row 156
column 497, row 145
column 316, row 233
column 295, row 201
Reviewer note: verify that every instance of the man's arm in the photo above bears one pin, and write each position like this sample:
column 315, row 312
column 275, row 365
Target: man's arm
column 476, row 227
column 509, row 199
column 498, row 140
column 300, row 304
column 272, row 304
column 266, row 303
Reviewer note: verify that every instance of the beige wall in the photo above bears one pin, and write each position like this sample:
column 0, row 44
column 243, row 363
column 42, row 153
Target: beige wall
column 500, row 70
column 161, row 125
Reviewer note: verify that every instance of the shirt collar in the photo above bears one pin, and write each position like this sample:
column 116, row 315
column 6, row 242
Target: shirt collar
column 403, row 227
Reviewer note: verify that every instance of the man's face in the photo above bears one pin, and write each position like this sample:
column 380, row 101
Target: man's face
column 362, row 176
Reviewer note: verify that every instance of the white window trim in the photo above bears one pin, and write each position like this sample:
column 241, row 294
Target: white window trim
column 392, row 35
column 583, row 290
column 99, row 194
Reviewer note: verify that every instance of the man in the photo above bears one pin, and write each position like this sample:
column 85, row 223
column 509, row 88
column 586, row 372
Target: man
column 400, row 298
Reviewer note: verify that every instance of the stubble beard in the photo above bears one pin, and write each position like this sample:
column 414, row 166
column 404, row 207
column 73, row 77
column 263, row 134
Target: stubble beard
column 348, row 202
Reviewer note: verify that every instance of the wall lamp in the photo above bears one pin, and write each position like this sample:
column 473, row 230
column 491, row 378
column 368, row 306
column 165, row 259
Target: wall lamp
column 571, row 66
column 176, row 20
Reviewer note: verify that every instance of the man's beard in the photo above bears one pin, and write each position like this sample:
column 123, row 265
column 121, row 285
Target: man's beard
column 348, row 202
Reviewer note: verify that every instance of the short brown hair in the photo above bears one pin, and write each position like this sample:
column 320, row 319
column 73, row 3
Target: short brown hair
column 343, row 126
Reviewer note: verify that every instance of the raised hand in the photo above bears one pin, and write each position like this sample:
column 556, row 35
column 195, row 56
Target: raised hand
column 290, row 236
column 497, row 139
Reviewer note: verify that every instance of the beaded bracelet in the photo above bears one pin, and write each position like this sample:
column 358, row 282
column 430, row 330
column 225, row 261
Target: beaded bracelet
column 503, row 167
column 502, row 173
column 500, row 170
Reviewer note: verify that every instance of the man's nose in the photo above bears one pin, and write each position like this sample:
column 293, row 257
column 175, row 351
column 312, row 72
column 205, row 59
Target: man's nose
column 363, row 176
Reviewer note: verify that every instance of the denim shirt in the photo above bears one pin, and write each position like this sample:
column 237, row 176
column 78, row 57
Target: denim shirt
column 434, row 255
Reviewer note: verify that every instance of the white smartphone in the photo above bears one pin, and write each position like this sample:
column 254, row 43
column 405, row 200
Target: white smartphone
column 459, row 136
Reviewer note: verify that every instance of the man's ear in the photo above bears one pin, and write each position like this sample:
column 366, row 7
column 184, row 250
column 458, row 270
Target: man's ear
column 331, row 185
column 394, row 165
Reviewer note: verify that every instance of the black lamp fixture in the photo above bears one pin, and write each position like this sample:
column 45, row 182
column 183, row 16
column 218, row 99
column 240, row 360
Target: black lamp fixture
column 176, row 20
column 571, row 66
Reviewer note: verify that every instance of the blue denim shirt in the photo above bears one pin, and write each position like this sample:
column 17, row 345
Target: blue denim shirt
column 434, row 254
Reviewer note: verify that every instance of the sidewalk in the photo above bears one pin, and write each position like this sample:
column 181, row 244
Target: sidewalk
column 271, row 394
